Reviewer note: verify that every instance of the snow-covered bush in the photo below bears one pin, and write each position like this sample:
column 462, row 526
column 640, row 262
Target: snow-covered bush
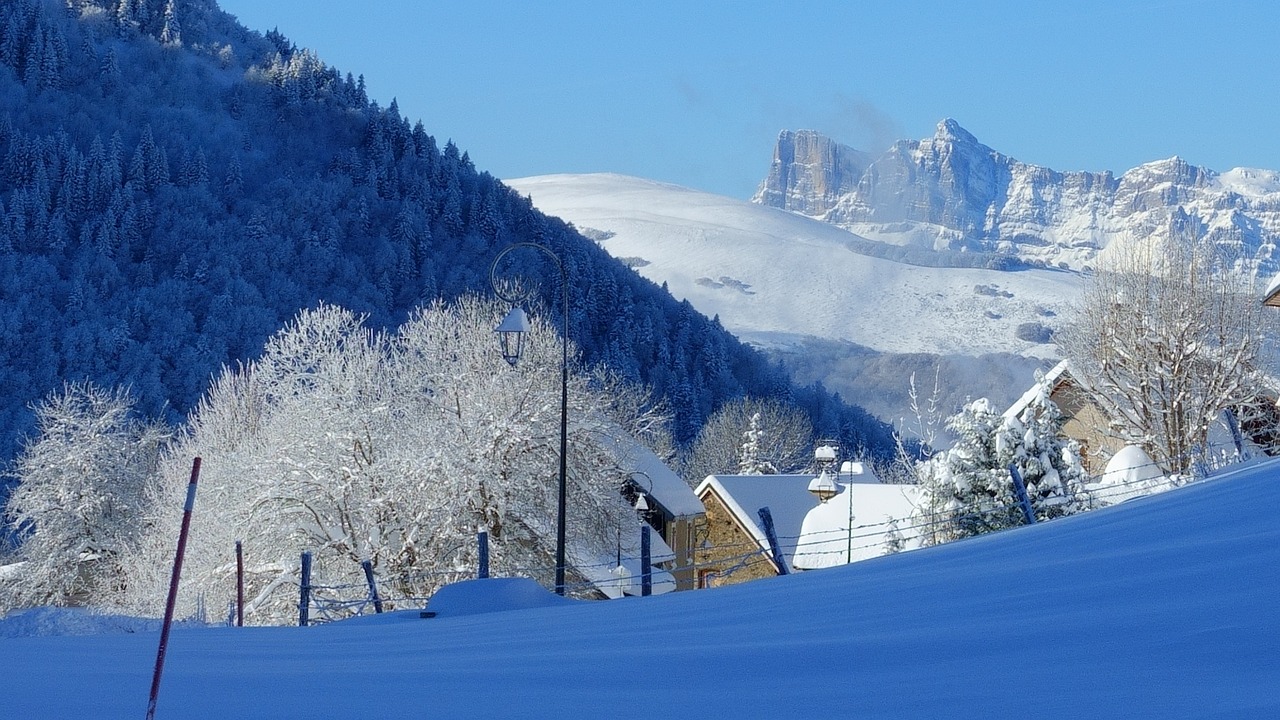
column 968, row 490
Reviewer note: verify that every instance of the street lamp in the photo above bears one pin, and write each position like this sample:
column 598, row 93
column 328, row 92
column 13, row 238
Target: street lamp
column 511, row 335
column 826, row 487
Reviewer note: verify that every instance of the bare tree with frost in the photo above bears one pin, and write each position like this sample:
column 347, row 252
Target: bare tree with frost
column 81, row 503
column 783, row 439
column 393, row 448
column 1168, row 335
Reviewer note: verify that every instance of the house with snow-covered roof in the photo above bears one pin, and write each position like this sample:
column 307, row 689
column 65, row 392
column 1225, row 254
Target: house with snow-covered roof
column 1085, row 420
column 732, row 544
column 670, row 508
column 864, row 519
column 1088, row 423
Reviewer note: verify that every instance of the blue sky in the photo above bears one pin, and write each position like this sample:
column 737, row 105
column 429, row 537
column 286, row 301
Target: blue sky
column 695, row 93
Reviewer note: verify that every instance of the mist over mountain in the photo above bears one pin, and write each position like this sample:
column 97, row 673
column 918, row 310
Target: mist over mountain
column 951, row 194
column 175, row 187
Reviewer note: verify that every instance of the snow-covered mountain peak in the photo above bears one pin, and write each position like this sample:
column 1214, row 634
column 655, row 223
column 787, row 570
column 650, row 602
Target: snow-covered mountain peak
column 950, row 131
column 949, row 193
column 1170, row 170
column 1250, row 182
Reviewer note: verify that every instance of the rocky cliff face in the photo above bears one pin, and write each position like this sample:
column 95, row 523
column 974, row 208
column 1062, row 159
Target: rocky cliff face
column 810, row 173
column 951, row 192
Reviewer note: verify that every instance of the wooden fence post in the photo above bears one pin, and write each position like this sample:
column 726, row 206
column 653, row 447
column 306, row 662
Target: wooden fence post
column 373, row 587
column 646, row 564
column 304, row 601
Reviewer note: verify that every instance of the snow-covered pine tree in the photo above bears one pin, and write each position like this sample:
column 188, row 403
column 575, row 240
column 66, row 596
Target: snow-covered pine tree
column 968, row 486
column 749, row 460
column 171, row 29
column 1049, row 463
column 968, row 489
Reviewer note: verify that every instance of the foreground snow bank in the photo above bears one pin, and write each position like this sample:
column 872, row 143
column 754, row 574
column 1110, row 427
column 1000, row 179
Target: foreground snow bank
column 1162, row 608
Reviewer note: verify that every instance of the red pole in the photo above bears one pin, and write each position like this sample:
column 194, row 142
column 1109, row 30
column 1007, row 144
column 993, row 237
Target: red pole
column 173, row 588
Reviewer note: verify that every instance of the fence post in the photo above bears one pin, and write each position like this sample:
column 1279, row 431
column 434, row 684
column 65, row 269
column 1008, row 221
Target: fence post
column 1020, row 489
column 766, row 519
column 1198, row 467
column 1234, row 425
column 239, row 584
column 482, row 542
column 373, row 587
column 173, row 588
column 304, row 602
column 646, row 564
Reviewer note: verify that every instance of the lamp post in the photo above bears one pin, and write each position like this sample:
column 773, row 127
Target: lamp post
column 511, row 334
column 854, row 468
column 642, row 511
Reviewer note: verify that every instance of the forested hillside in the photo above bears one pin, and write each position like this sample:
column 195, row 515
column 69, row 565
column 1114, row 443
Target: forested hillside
column 174, row 188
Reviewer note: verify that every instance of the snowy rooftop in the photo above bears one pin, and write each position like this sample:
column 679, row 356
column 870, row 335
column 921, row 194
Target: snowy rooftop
column 654, row 477
column 787, row 497
column 1049, row 380
column 1272, row 295
column 828, row 537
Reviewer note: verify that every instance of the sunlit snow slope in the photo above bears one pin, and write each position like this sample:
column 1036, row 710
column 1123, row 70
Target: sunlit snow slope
column 1159, row 608
column 771, row 275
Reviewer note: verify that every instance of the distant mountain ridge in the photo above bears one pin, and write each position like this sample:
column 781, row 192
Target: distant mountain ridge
column 950, row 192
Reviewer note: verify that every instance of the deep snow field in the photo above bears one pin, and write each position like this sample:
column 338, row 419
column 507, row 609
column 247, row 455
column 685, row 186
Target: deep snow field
column 1161, row 607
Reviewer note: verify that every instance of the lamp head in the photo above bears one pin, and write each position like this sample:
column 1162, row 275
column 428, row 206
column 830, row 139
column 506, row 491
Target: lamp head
column 511, row 333
column 824, row 486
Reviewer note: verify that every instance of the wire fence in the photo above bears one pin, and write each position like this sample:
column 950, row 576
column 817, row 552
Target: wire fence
column 334, row 601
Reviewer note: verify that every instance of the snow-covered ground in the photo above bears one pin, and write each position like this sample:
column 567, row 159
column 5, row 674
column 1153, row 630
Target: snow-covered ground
column 1163, row 607
column 772, row 275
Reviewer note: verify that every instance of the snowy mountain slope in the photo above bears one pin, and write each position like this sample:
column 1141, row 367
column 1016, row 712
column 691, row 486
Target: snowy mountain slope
column 950, row 191
column 774, row 276
column 1158, row 608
